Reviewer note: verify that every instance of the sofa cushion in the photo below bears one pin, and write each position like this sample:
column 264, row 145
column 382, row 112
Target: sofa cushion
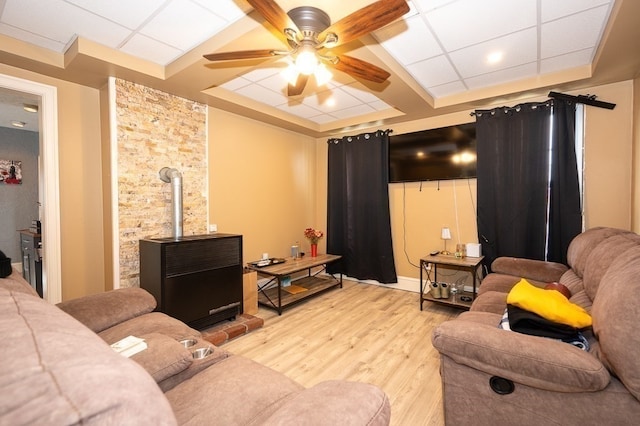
column 615, row 313
column 164, row 356
column 56, row 371
column 103, row 310
column 530, row 360
column 240, row 392
column 582, row 245
column 153, row 322
column 602, row 256
column 331, row 403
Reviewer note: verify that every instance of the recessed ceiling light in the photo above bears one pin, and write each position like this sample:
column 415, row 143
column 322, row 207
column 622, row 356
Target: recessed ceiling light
column 30, row 108
column 16, row 123
column 494, row 57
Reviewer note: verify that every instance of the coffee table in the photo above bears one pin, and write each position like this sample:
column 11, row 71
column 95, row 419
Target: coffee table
column 284, row 289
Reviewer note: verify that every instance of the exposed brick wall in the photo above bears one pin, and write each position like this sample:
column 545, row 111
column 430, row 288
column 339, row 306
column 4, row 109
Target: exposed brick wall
column 156, row 130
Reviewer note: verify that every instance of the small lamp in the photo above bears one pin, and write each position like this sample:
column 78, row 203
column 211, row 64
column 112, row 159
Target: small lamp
column 445, row 235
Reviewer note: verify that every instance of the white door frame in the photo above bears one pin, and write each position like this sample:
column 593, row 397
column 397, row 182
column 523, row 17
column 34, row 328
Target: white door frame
column 50, row 185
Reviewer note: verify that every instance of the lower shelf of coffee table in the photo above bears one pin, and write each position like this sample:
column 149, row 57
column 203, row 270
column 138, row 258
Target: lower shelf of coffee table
column 452, row 300
column 313, row 285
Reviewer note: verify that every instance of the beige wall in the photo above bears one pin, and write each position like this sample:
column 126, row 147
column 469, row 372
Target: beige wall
column 82, row 240
column 609, row 158
column 420, row 210
column 269, row 184
column 261, row 184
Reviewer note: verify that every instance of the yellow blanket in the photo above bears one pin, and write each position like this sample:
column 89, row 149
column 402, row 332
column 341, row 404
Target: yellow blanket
column 549, row 304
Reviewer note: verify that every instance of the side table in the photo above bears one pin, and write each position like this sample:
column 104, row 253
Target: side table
column 469, row 264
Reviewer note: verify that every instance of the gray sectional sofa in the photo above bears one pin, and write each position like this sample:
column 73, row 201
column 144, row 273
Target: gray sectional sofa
column 58, row 369
column 493, row 376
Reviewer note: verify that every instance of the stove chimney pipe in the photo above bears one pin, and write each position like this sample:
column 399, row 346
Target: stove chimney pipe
column 175, row 177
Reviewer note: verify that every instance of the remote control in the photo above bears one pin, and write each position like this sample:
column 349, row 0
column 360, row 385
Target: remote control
column 435, row 252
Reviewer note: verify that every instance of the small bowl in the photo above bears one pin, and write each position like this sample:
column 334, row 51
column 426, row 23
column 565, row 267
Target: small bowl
column 202, row 352
column 187, row 343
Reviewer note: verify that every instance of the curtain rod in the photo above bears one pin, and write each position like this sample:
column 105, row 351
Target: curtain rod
column 583, row 99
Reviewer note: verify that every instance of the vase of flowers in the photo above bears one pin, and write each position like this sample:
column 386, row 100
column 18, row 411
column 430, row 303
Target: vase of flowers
column 313, row 235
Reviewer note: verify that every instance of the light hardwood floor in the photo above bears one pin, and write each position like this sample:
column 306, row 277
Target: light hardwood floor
column 363, row 333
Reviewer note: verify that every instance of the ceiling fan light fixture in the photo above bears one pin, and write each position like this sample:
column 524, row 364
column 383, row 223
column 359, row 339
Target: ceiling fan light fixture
column 322, row 75
column 290, row 74
column 306, row 60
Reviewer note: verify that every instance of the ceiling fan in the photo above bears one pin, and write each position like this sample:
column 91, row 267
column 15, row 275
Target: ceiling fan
column 308, row 32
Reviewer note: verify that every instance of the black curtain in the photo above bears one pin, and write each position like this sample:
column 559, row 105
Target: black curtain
column 513, row 158
column 565, row 209
column 358, row 219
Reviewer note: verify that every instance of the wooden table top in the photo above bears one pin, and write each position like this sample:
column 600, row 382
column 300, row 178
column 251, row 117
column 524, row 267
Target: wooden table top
column 444, row 259
column 292, row 265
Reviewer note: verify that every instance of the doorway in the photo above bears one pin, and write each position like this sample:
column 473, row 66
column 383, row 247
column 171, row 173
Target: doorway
column 49, row 188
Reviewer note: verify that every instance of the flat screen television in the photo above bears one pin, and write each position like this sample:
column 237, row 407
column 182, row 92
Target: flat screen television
column 435, row 154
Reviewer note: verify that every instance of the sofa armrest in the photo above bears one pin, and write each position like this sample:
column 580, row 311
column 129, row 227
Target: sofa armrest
column 530, row 360
column 103, row 310
column 335, row 402
column 537, row 270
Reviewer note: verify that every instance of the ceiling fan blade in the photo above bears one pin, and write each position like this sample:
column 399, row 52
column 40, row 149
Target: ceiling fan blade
column 366, row 20
column 361, row 69
column 274, row 14
column 242, row 54
column 297, row 89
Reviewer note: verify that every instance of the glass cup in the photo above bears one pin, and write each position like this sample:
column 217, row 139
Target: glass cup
column 461, row 251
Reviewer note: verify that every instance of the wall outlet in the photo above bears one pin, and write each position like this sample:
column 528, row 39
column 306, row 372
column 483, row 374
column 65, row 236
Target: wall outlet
column 213, row 227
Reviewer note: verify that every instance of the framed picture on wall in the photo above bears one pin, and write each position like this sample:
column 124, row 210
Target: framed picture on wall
column 10, row 172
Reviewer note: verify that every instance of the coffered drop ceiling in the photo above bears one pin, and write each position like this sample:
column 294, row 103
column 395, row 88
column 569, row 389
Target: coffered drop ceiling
column 443, row 55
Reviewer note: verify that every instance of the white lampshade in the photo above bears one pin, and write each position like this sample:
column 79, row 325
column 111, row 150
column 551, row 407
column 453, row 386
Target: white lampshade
column 323, row 75
column 446, row 234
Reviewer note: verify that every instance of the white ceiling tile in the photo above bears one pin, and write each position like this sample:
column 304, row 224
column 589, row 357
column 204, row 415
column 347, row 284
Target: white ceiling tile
column 447, row 89
column 360, row 94
column 261, row 73
column 130, row 14
column 429, row 5
column 353, row 111
column 276, row 82
column 562, row 62
column 32, row 38
column 235, row 84
column 572, row 33
column 433, row 72
column 517, row 49
column 262, row 94
column 151, row 50
column 502, row 76
column 380, row 105
column 332, row 100
column 60, row 21
column 183, row 24
column 468, row 22
column 226, row 9
column 400, row 41
column 322, row 119
column 554, row 9
column 299, row 110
